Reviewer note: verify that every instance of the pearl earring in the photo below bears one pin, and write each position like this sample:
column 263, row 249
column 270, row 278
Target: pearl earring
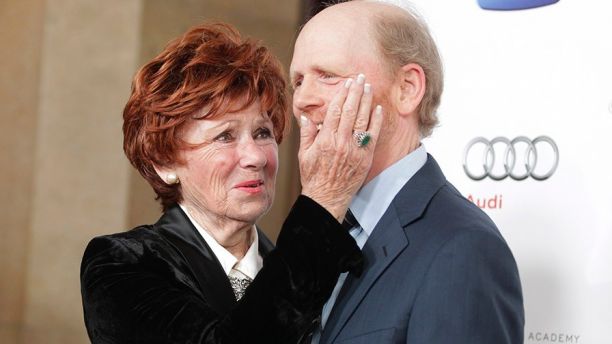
column 172, row 178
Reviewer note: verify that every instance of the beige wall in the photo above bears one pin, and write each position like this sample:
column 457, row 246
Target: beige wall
column 66, row 68
column 21, row 28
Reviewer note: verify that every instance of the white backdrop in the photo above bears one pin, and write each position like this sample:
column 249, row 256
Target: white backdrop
column 542, row 71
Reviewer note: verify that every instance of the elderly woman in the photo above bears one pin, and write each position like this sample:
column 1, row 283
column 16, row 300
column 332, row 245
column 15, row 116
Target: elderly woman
column 202, row 126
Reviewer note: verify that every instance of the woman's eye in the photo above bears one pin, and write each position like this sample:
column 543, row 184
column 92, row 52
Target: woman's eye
column 263, row 133
column 224, row 137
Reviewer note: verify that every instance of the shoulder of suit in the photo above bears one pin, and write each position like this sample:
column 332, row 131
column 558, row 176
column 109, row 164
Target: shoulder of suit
column 459, row 213
column 134, row 242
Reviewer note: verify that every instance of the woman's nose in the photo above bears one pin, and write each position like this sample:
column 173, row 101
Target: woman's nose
column 252, row 155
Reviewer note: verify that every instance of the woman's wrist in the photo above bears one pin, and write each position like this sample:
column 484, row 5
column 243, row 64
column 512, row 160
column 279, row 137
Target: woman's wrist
column 336, row 207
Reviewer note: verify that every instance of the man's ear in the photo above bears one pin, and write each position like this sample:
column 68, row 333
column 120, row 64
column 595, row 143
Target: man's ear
column 411, row 83
column 168, row 175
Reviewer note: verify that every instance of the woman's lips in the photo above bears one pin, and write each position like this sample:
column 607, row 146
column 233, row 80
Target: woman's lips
column 251, row 186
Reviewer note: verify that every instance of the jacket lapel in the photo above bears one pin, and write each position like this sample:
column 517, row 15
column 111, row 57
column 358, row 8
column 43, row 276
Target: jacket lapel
column 387, row 241
column 265, row 245
column 201, row 261
column 379, row 251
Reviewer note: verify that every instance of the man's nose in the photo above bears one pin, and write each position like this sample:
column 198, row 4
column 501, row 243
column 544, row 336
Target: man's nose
column 307, row 97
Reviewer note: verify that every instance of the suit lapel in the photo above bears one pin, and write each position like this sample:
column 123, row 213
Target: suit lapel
column 387, row 241
column 265, row 245
column 200, row 259
column 379, row 251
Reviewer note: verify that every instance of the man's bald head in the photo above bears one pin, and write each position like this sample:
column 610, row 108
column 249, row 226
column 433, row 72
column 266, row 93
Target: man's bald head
column 397, row 35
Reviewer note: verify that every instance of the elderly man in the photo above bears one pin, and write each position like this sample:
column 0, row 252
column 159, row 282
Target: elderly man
column 437, row 269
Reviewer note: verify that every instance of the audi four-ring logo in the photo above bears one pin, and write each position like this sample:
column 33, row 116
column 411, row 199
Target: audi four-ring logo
column 509, row 158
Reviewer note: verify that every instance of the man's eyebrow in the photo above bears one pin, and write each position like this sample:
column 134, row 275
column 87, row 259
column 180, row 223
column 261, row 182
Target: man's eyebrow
column 341, row 72
column 294, row 75
column 320, row 69
column 316, row 69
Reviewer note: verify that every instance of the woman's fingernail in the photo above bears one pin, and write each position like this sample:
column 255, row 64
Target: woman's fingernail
column 360, row 79
column 378, row 109
column 348, row 83
column 304, row 121
column 367, row 88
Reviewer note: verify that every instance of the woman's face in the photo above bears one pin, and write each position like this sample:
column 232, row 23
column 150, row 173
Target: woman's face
column 231, row 176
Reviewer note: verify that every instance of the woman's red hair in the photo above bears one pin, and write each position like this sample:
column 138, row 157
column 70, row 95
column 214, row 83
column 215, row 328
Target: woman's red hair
column 210, row 65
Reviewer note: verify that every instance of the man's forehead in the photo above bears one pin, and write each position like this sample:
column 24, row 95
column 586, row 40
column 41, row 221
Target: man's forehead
column 329, row 55
column 334, row 39
column 328, row 32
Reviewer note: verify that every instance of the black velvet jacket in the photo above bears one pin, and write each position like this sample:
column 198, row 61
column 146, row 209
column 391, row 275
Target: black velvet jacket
column 161, row 283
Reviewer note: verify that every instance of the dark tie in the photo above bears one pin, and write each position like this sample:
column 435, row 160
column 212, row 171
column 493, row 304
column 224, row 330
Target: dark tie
column 349, row 221
column 352, row 226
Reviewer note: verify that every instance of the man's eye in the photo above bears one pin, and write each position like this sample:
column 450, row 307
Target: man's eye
column 297, row 84
column 263, row 133
column 329, row 78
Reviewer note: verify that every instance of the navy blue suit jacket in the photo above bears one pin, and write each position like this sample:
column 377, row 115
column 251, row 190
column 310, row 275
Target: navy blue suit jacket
column 437, row 270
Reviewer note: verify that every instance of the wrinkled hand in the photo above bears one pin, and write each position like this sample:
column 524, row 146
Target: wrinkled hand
column 332, row 165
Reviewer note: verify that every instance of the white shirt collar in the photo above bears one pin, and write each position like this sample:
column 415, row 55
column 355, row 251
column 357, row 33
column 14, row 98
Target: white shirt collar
column 249, row 265
column 371, row 202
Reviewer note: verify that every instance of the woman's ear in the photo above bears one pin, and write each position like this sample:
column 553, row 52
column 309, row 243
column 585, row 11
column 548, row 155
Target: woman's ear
column 411, row 85
column 169, row 176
